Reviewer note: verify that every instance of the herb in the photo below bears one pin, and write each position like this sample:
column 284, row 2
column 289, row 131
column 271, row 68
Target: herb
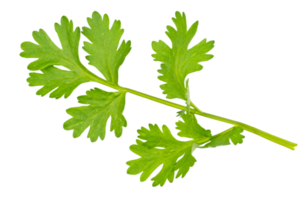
column 156, row 146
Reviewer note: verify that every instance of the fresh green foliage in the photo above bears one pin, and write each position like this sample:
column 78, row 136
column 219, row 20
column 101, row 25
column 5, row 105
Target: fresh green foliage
column 100, row 111
column 106, row 49
column 54, row 82
column 178, row 60
column 156, row 147
column 105, row 56
column 190, row 128
column 161, row 151
column 152, row 156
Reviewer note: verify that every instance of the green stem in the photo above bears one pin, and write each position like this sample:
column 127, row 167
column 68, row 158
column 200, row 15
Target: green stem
column 249, row 128
column 197, row 111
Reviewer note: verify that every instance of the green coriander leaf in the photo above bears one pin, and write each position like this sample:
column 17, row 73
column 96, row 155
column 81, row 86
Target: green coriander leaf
column 161, row 148
column 49, row 54
column 179, row 61
column 63, row 82
column 190, row 128
column 103, row 49
column 152, row 156
column 102, row 105
column 231, row 136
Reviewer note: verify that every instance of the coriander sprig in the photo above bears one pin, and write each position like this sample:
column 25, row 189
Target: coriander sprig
column 58, row 71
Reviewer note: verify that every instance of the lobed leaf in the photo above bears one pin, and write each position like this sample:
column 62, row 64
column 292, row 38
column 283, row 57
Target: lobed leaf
column 190, row 128
column 178, row 61
column 159, row 147
column 103, row 49
column 152, row 157
column 233, row 134
column 102, row 105
column 49, row 54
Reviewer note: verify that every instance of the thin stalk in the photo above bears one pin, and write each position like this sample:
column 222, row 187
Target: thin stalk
column 197, row 111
